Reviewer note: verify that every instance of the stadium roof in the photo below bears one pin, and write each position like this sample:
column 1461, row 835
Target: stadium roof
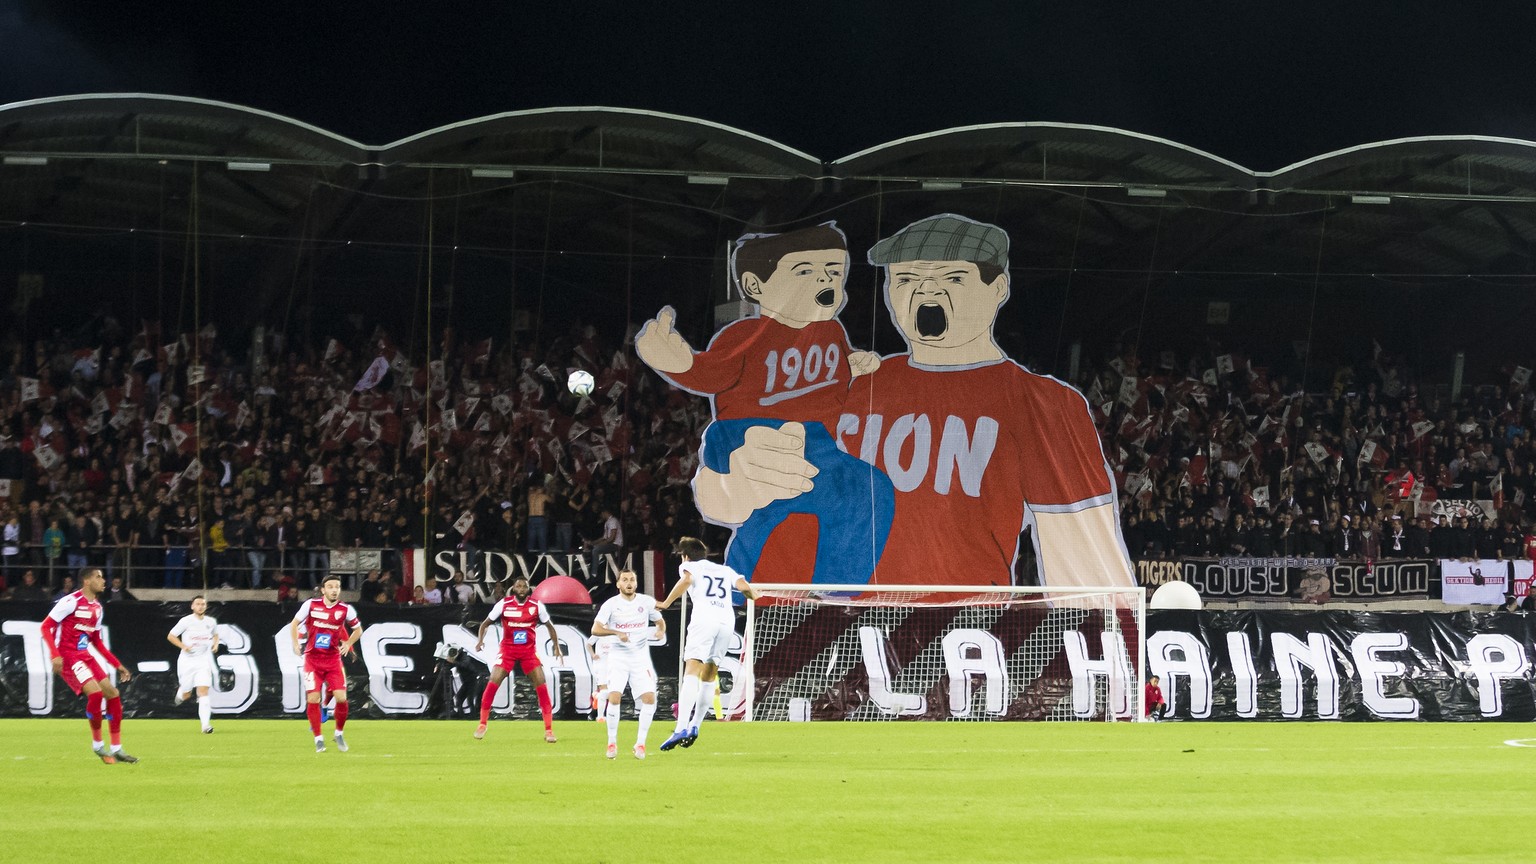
column 614, row 191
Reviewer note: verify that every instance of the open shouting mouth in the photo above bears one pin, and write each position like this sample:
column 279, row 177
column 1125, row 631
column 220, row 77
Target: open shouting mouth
column 932, row 320
column 826, row 297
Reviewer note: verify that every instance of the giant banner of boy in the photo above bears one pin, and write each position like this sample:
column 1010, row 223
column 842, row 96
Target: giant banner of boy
column 835, row 465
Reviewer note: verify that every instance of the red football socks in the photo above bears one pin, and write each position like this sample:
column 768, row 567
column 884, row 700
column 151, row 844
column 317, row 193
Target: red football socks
column 115, row 720
column 341, row 715
column 93, row 715
column 313, row 710
column 545, row 706
column 485, row 701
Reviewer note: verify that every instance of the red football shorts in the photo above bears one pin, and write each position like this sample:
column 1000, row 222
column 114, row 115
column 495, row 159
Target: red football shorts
column 80, row 668
column 512, row 655
column 324, row 676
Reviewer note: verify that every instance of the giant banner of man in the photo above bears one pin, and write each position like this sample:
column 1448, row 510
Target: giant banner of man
column 833, row 465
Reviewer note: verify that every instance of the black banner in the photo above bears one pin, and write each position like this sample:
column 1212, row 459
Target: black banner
column 1310, row 579
column 1255, row 665
column 394, row 674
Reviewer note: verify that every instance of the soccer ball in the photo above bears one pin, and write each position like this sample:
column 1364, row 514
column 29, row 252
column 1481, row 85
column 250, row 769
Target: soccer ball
column 580, row 382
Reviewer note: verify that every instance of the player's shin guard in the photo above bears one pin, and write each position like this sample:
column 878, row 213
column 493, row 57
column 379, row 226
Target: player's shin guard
column 613, row 724
column 687, row 700
column 546, row 707
column 115, row 720
column 341, row 715
column 486, row 698
column 647, row 712
column 313, row 710
column 205, row 711
column 93, row 702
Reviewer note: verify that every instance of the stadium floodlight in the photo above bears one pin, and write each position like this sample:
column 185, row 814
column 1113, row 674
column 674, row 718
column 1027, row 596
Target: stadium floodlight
column 941, row 185
column 709, row 179
column 1039, row 653
column 1370, row 199
column 260, row 167
column 26, row 160
column 496, row 173
column 1146, row 192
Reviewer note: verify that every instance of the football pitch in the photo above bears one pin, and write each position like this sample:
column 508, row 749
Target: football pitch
column 426, row 791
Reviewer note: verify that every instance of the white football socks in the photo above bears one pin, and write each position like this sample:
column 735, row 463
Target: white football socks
column 613, row 722
column 687, row 701
column 647, row 711
column 706, row 701
column 205, row 711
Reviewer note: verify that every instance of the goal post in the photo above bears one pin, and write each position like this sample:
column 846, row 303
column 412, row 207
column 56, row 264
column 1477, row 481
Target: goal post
column 887, row 652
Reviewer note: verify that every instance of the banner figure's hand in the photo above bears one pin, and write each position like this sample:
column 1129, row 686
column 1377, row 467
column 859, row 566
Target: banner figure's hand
column 661, row 346
column 863, row 362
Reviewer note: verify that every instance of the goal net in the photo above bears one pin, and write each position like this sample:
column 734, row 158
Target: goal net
column 831, row 652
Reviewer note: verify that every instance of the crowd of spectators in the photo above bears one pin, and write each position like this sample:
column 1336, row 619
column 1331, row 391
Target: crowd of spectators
column 180, row 461
column 184, row 461
column 1216, row 455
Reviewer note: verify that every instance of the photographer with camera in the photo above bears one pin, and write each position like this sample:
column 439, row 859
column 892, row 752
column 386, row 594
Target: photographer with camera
column 465, row 698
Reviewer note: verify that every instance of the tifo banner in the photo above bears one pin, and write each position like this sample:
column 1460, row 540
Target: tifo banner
column 1315, row 580
column 395, row 673
column 1257, row 665
column 1484, row 581
column 1000, row 661
column 834, row 465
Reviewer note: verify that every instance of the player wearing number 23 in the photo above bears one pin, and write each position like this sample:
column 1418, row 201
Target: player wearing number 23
column 792, row 363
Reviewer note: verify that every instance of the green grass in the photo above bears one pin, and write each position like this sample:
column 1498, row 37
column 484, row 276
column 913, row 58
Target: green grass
column 778, row 792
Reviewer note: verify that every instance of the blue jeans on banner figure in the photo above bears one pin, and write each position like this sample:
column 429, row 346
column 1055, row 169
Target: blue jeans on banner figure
column 853, row 503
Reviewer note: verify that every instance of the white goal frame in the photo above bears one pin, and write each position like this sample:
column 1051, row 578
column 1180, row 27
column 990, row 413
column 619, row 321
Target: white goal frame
column 1132, row 600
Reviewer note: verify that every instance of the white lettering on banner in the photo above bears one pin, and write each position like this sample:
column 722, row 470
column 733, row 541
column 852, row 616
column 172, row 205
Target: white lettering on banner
column 959, row 452
column 576, row 663
column 39, row 668
column 1380, row 578
column 989, row 662
column 1175, row 654
column 877, row 667
column 1375, row 671
column 1291, row 655
column 1245, row 675
column 498, row 567
column 1115, row 668
column 241, row 694
column 291, row 667
column 1493, row 658
column 909, row 477
column 505, row 698
column 383, row 666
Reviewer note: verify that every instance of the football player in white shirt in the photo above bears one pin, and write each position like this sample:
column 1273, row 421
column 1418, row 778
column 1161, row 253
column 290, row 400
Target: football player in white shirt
column 197, row 637
column 631, row 620
column 710, row 628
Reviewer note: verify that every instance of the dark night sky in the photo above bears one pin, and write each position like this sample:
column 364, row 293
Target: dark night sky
column 1261, row 83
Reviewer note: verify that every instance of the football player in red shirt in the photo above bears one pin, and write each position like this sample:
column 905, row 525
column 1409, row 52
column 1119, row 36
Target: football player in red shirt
column 519, row 615
column 70, row 631
column 324, row 620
